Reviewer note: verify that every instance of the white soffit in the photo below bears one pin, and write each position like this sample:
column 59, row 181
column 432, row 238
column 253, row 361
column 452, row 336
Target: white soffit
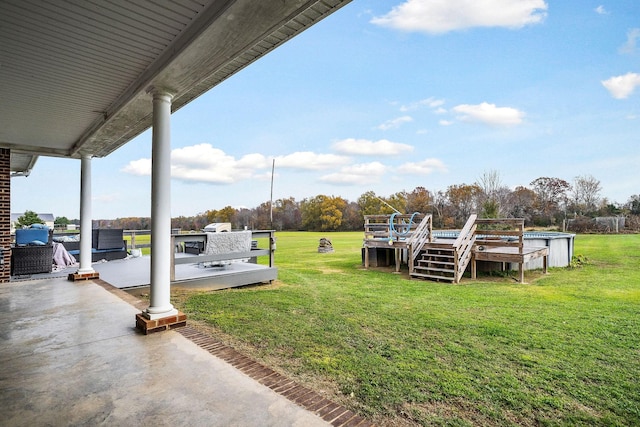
column 76, row 75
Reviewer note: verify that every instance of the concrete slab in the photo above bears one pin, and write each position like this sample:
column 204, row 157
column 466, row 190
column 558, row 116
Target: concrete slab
column 70, row 355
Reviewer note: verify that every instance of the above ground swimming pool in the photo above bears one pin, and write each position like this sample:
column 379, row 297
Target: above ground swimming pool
column 560, row 246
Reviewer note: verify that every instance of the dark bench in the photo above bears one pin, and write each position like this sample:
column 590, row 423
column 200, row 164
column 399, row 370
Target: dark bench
column 106, row 243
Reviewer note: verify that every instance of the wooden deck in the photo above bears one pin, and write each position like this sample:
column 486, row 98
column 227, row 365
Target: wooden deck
column 494, row 240
column 508, row 254
column 187, row 270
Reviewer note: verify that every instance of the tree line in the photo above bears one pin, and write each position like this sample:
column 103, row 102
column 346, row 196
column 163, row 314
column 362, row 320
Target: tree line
column 546, row 202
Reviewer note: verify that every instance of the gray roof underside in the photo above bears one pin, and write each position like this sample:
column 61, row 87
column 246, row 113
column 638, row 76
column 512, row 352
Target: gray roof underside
column 76, row 75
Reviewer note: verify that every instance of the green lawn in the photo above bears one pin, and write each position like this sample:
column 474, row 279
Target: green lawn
column 562, row 350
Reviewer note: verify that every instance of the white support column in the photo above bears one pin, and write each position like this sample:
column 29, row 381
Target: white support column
column 160, row 293
column 85, row 216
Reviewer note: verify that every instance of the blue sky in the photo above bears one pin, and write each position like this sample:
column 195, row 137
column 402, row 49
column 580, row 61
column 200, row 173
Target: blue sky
column 386, row 96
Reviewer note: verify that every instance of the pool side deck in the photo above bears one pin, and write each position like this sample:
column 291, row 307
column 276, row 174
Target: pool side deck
column 134, row 272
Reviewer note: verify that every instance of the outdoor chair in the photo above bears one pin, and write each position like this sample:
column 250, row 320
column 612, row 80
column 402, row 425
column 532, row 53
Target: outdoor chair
column 106, row 244
column 32, row 252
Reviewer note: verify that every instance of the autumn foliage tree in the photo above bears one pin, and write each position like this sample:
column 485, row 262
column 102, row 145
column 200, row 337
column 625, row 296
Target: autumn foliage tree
column 521, row 203
column 551, row 196
column 463, row 200
column 286, row 214
column 419, row 200
column 545, row 202
column 322, row 213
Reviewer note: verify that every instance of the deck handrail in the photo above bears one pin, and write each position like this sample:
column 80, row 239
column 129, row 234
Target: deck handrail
column 463, row 246
column 422, row 234
column 496, row 237
column 378, row 226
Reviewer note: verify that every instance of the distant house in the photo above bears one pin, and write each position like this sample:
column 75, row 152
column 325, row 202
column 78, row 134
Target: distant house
column 47, row 218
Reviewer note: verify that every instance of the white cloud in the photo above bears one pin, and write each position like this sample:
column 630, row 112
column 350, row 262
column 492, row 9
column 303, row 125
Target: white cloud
column 395, row 123
column 621, row 87
column 425, row 167
column 308, row 160
column 141, row 167
column 359, row 174
column 441, row 16
column 430, row 102
column 489, row 114
column 364, row 147
column 204, row 163
column 600, row 10
column 445, row 122
column 632, row 37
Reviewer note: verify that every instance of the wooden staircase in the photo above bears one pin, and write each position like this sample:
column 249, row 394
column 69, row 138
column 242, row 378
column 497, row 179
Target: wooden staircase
column 495, row 240
column 437, row 261
column 444, row 261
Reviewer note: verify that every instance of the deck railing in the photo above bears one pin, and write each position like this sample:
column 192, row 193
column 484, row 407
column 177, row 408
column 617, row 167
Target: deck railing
column 378, row 227
column 202, row 237
column 422, row 235
column 178, row 239
column 463, row 247
column 503, row 232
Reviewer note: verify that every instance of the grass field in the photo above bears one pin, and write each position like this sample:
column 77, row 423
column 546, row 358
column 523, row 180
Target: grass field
column 561, row 350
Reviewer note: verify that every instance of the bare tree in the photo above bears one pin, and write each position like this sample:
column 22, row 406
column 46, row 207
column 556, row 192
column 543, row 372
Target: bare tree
column 585, row 196
column 463, row 200
column 493, row 194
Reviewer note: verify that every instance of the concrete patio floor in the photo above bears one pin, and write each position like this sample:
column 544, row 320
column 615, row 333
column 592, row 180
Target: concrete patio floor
column 70, row 355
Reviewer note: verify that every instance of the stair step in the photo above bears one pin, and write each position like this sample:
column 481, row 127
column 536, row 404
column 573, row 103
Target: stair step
column 432, row 261
column 430, row 276
column 442, row 253
column 446, row 246
column 446, row 255
column 437, row 256
column 443, row 270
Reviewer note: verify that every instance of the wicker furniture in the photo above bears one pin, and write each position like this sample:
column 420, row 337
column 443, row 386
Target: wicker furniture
column 194, row 247
column 106, row 243
column 31, row 260
column 33, row 252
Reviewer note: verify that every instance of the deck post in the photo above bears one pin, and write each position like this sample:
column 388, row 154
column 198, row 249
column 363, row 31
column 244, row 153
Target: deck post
column 173, row 259
column 398, row 256
column 521, row 271
column 456, row 266
column 474, row 271
column 272, row 248
column 410, row 258
column 366, row 257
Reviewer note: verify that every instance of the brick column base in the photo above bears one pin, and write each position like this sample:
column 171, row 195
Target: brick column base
column 148, row 326
column 72, row 277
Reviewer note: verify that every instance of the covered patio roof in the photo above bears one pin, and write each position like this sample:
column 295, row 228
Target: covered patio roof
column 76, row 76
